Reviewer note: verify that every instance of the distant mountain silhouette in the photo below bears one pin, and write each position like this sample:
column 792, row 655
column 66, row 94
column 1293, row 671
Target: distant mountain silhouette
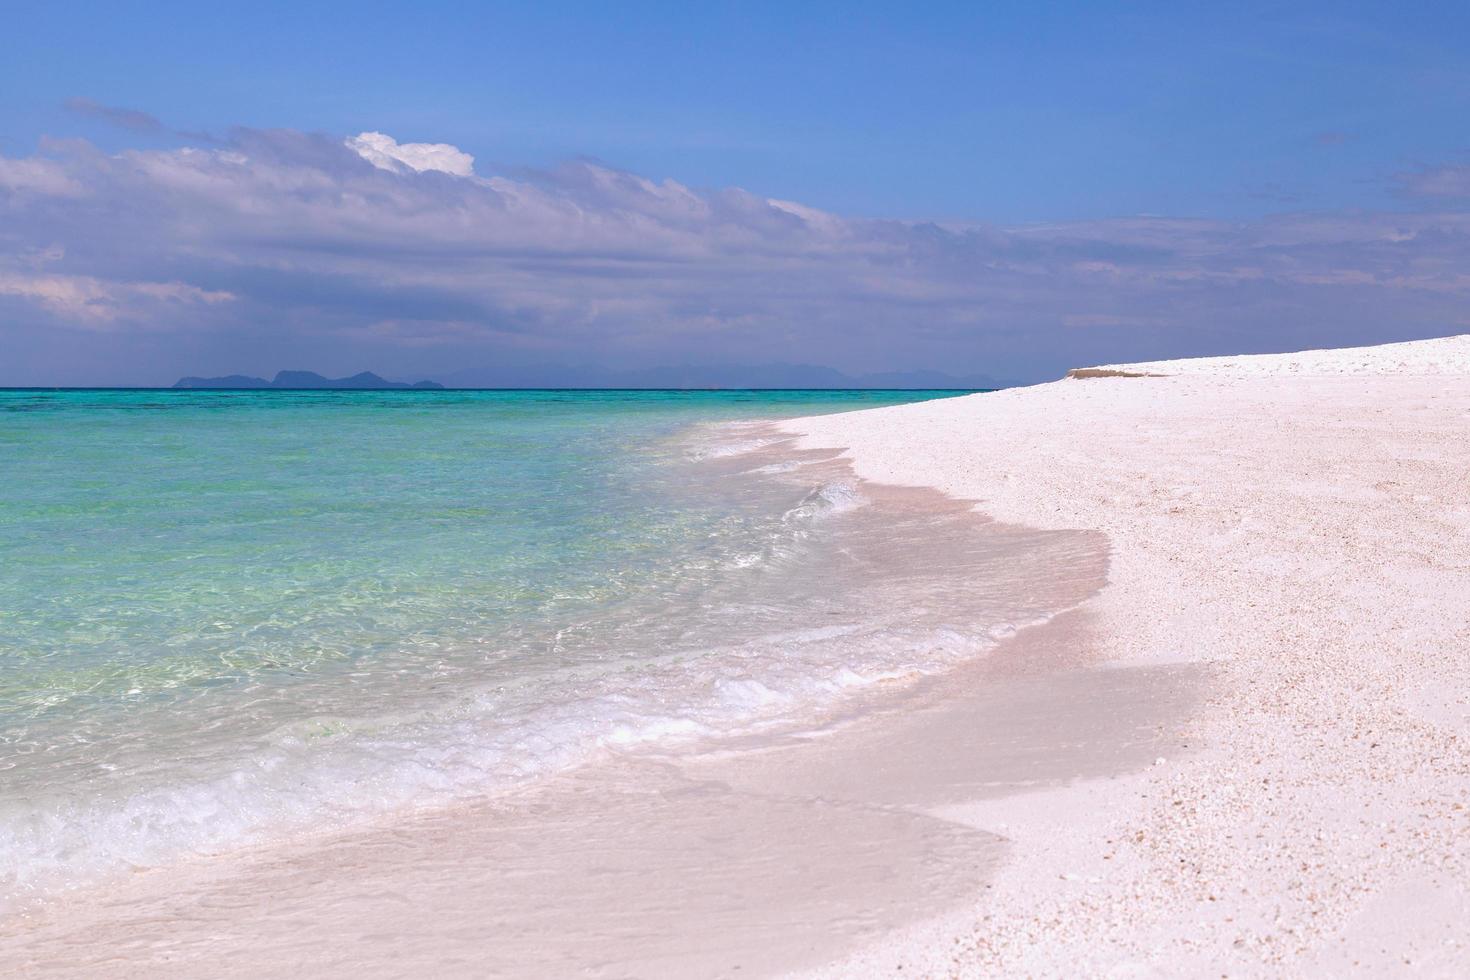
column 564, row 376
column 301, row 380
column 708, row 376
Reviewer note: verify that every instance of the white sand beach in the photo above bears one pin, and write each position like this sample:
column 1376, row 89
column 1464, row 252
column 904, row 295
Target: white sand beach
column 1301, row 523
column 1243, row 750
column 519, row 491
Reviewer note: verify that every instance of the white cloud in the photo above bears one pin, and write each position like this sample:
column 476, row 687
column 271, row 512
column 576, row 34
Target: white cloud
column 386, row 153
column 38, row 176
column 89, row 301
column 822, row 220
column 588, row 261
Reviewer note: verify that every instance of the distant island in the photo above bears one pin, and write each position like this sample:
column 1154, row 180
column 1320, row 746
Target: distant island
column 686, row 377
column 302, row 380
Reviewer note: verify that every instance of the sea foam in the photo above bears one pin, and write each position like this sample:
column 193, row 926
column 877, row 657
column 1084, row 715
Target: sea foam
column 324, row 612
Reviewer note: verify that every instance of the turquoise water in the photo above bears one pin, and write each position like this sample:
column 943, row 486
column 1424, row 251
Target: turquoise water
column 230, row 615
column 158, row 541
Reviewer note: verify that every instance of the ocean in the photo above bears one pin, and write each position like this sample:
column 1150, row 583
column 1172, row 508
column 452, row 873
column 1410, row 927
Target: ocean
column 228, row 617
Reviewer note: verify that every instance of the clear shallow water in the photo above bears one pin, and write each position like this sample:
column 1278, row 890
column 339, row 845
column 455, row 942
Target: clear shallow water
column 226, row 616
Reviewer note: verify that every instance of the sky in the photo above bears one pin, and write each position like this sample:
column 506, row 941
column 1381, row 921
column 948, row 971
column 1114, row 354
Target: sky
column 1007, row 189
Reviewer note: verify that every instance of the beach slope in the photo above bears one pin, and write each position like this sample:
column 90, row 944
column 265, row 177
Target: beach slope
column 1301, row 524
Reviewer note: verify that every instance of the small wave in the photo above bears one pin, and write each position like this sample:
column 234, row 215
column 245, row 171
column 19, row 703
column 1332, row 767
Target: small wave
column 723, row 440
column 775, row 468
column 336, row 772
column 724, row 450
column 837, row 497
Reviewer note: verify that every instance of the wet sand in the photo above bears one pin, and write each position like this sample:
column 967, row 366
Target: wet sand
column 748, row 857
column 1241, row 751
column 1299, row 524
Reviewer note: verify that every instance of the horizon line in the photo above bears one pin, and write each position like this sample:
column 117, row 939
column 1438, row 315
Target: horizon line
column 429, row 391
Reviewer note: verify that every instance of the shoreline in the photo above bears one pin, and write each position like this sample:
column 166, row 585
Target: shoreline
column 1248, row 752
column 745, row 861
column 632, row 865
column 1300, row 524
column 506, row 642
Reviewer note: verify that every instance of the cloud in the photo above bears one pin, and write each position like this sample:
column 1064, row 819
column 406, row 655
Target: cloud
column 88, row 302
column 37, row 176
column 294, row 243
column 131, row 119
column 1450, row 182
column 388, row 154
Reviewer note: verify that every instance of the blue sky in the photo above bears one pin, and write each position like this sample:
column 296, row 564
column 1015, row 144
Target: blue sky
column 959, row 135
